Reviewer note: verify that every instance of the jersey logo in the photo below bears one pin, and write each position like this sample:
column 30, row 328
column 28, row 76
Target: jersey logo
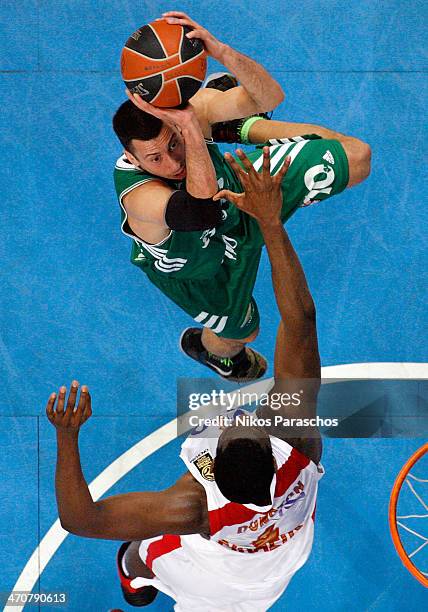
column 204, row 463
column 139, row 89
column 206, row 237
column 230, row 244
column 269, row 536
column 328, row 157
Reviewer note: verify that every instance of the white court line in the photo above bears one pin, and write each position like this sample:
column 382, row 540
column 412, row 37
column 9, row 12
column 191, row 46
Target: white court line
column 55, row 536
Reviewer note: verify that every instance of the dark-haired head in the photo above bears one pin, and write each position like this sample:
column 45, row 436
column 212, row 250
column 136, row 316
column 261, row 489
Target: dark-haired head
column 151, row 145
column 244, row 465
column 129, row 122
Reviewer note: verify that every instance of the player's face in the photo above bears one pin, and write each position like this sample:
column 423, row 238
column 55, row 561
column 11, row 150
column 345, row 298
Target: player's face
column 163, row 156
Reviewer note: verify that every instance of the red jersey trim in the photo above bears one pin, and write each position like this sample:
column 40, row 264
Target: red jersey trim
column 289, row 471
column 235, row 514
column 161, row 547
column 230, row 514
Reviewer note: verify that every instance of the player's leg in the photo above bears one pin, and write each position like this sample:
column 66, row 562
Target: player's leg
column 319, row 169
column 224, row 307
column 225, row 347
column 229, row 131
column 359, row 159
column 130, row 566
column 259, row 129
column 226, row 355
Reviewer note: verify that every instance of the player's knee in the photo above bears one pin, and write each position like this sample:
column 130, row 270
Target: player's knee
column 359, row 160
column 365, row 158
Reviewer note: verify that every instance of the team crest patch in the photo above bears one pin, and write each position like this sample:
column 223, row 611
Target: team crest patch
column 204, row 463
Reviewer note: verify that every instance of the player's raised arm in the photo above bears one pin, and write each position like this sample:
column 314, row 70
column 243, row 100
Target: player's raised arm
column 296, row 352
column 132, row 516
column 297, row 361
column 259, row 91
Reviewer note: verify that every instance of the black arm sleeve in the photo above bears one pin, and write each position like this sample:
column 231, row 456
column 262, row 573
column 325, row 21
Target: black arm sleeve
column 184, row 213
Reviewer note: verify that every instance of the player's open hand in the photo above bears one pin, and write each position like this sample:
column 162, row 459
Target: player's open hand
column 262, row 197
column 212, row 45
column 66, row 416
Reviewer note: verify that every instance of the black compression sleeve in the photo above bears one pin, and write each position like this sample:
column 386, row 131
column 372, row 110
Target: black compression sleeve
column 184, row 213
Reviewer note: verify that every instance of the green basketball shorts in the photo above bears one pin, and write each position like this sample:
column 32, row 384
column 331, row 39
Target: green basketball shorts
column 223, row 303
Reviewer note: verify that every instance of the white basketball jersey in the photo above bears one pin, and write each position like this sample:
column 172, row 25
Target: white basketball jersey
column 247, row 528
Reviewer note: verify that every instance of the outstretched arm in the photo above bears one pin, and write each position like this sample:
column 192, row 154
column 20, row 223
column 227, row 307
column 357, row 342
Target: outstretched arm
column 132, row 516
column 297, row 361
column 297, row 347
column 296, row 350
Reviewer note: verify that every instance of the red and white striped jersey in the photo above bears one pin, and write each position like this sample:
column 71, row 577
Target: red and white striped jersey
column 248, row 528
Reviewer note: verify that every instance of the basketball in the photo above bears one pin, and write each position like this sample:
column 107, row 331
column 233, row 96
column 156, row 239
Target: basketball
column 163, row 66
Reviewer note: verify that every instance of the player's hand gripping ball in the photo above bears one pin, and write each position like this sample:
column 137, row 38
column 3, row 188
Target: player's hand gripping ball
column 163, row 66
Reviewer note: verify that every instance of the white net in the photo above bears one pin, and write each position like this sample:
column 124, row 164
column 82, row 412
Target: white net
column 412, row 515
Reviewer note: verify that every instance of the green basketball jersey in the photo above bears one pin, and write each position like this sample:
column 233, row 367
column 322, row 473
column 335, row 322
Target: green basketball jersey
column 210, row 274
column 195, row 255
column 199, row 255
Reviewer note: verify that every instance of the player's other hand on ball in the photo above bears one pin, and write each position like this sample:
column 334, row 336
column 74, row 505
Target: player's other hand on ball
column 212, row 45
column 179, row 117
column 262, row 197
column 66, row 416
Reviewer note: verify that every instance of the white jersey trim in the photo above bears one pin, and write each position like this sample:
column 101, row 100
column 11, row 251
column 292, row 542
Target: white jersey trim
column 278, row 151
column 217, row 320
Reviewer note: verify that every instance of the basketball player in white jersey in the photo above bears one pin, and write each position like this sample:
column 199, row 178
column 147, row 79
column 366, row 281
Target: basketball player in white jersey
column 232, row 531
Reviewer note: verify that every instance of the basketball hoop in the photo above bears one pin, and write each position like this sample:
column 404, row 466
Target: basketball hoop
column 413, row 484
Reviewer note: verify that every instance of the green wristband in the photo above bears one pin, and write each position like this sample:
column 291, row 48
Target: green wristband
column 245, row 129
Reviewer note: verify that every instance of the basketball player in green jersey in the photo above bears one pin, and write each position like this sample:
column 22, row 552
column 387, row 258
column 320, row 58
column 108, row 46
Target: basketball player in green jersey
column 201, row 252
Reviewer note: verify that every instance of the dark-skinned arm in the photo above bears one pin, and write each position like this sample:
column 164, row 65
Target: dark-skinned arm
column 297, row 362
column 131, row 516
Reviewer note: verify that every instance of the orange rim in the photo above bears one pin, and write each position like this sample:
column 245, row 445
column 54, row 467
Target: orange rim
column 392, row 515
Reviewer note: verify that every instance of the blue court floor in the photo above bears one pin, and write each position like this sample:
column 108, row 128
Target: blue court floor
column 72, row 306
